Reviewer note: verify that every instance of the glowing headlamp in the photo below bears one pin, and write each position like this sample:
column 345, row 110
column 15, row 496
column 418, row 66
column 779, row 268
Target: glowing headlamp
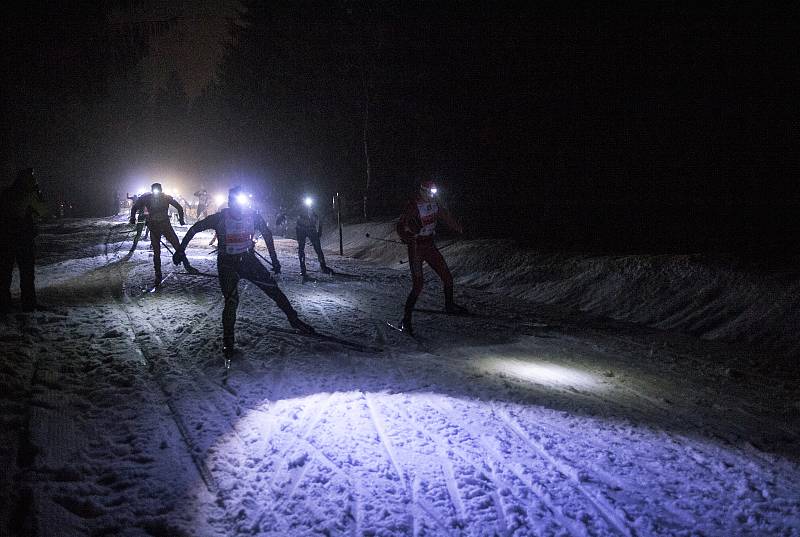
column 308, row 201
column 434, row 190
column 242, row 199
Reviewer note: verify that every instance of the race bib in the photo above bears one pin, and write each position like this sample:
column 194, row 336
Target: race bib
column 239, row 233
column 427, row 217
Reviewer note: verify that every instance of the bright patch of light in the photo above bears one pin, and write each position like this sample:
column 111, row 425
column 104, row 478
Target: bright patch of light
column 538, row 371
column 220, row 199
column 434, row 190
column 308, row 201
column 242, row 199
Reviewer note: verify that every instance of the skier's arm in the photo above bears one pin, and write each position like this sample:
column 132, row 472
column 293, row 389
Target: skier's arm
column 266, row 232
column 409, row 225
column 201, row 225
column 177, row 206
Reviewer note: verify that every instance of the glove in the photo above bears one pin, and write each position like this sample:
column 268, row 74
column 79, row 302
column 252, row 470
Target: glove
column 132, row 222
column 182, row 222
column 178, row 257
column 276, row 267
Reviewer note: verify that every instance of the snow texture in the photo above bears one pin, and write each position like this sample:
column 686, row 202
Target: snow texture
column 588, row 396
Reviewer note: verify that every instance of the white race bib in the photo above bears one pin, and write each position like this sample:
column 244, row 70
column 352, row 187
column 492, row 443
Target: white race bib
column 427, row 216
column 239, row 233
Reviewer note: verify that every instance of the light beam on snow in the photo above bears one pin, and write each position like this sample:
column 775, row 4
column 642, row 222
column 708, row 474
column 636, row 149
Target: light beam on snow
column 535, row 370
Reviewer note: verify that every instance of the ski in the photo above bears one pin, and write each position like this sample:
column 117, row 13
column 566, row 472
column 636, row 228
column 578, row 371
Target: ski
column 355, row 345
column 197, row 273
column 344, row 275
column 153, row 289
column 400, row 329
column 453, row 313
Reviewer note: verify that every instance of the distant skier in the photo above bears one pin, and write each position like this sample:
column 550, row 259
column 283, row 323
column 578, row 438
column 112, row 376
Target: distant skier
column 157, row 205
column 309, row 226
column 21, row 206
column 141, row 223
column 236, row 227
column 202, row 203
column 417, row 228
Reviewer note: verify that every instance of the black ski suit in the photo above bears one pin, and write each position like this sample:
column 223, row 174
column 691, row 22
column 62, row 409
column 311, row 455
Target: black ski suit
column 20, row 207
column 236, row 260
column 309, row 227
column 157, row 207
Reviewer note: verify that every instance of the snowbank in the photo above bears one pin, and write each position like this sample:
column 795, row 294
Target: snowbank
column 702, row 295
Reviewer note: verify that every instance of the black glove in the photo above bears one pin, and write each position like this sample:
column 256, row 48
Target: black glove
column 276, row 267
column 178, row 257
column 132, row 222
column 182, row 222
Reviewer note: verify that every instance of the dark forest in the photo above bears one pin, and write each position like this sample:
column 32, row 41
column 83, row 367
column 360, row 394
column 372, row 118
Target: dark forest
column 658, row 129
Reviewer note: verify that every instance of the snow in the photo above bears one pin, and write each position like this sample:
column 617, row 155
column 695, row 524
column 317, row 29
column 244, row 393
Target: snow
column 595, row 395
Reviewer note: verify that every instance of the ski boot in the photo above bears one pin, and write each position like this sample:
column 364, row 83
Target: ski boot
column 327, row 270
column 229, row 351
column 406, row 326
column 307, row 278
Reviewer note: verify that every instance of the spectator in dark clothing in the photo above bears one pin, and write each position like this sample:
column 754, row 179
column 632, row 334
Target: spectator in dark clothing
column 21, row 207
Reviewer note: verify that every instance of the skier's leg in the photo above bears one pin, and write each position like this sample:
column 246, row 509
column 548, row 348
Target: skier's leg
column 228, row 281
column 137, row 236
column 301, row 250
column 255, row 272
column 6, row 272
column 155, row 244
column 320, row 255
column 415, row 264
column 26, row 258
column 434, row 258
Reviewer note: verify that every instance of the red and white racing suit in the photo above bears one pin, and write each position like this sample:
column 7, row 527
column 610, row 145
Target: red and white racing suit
column 417, row 228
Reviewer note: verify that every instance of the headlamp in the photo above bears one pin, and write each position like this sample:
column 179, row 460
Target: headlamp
column 308, row 201
column 242, row 199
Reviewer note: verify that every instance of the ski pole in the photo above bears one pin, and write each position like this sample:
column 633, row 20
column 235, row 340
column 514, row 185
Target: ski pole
column 439, row 248
column 168, row 248
column 384, row 240
column 262, row 257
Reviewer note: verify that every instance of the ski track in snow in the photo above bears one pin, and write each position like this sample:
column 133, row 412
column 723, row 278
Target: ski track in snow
column 529, row 421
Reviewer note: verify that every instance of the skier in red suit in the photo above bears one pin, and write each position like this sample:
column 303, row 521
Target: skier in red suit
column 417, row 228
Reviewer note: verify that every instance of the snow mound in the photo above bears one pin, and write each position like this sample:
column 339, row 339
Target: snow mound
column 702, row 295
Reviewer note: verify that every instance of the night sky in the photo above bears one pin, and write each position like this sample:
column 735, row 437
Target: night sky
column 659, row 128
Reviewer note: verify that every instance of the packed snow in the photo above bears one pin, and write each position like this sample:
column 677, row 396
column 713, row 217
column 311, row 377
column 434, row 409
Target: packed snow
column 587, row 396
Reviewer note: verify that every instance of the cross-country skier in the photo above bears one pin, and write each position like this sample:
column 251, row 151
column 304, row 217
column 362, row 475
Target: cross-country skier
column 202, row 203
column 417, row 227
column 236, row 227
column 141, row 224
column 21, row 206
column 157, row 205
column 309, row 226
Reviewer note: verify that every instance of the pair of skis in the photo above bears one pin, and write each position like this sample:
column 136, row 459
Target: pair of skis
column 464, row 313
